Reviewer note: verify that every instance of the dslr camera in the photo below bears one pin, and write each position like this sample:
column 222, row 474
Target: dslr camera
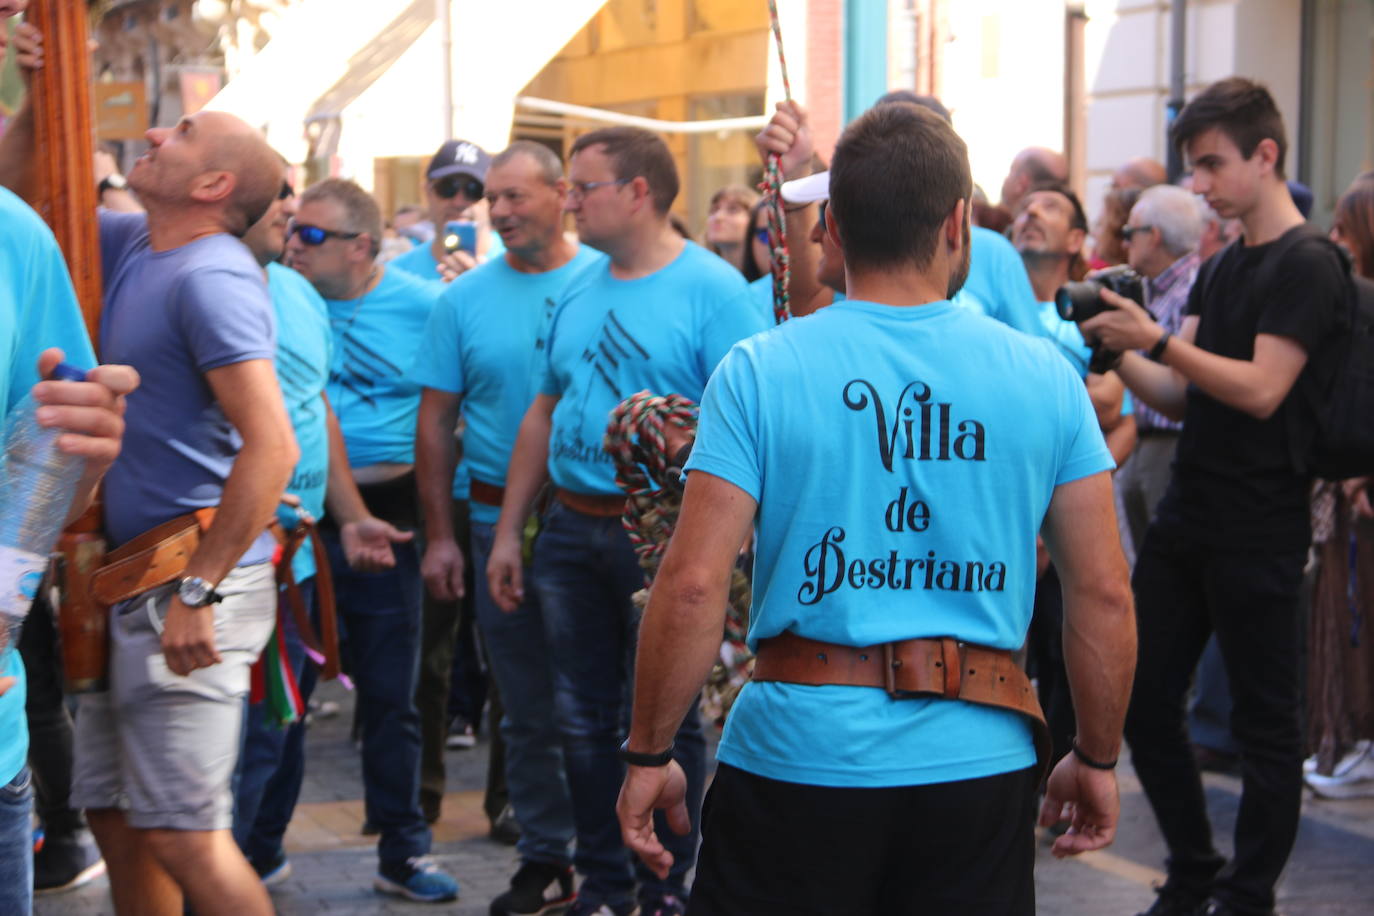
column 1079, row 301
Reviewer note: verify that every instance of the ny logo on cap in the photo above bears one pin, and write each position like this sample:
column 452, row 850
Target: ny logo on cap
column 466, row 152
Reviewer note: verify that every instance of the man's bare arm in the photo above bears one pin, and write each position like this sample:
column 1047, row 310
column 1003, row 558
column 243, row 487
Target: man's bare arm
column 366, row 539
column 436, row 458
column 1080, row 530
column 17, row 141
column 529, row 469
column 251, row 399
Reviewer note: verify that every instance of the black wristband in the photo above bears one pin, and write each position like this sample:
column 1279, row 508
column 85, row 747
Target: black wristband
column 634, row 758
column 1157, row 350
column 1088, row 761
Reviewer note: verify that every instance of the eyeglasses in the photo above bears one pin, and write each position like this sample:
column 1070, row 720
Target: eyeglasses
column 314, row 235
column 286, row 191
column 450, row 186
column 580, row 189
column 761, row 235
column 1128, row 231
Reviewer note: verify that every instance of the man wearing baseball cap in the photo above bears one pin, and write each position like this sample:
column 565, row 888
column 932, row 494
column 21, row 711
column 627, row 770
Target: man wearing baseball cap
column 455, row 180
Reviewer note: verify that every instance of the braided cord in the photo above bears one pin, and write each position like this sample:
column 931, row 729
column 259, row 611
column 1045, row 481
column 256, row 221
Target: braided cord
column 780, row 259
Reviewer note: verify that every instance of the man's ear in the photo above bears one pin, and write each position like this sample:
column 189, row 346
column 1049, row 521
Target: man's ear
column 1075, row 239
column 644, row 196
column 213, row 187
column 954, row 224
column 1268, row 152
column 832, row 228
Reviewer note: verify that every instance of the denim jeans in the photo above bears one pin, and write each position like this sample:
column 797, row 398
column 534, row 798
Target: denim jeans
column 16, row 845
column 584, row 575
column 520, row 663
column 381, row 614
column 265, row 742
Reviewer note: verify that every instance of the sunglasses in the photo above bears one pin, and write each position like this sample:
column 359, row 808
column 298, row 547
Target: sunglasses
column 820, row 212
column 286, row 191
column 450, row 186
column 1128, row 231
column 314, row 235
column 761, row 235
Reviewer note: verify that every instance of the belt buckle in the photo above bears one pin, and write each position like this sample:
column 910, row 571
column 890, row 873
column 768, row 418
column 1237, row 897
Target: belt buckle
column 950, row 663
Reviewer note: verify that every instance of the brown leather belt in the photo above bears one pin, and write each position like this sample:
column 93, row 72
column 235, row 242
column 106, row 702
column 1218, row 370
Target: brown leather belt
column 937, row 667
column 488, row 494
column 160, row 555
column 592, row 503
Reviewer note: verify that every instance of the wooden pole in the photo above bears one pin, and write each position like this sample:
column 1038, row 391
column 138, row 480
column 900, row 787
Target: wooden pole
column 64, row 144
column 65, row 195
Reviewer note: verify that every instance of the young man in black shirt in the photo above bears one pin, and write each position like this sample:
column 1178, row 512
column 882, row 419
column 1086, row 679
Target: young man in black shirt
column 1227, row 547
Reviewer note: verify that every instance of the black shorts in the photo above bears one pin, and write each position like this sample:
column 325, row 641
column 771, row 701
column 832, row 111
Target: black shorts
column 771, row 847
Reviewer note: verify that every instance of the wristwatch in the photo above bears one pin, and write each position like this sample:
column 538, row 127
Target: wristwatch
column 196, row 592
column 112, row 182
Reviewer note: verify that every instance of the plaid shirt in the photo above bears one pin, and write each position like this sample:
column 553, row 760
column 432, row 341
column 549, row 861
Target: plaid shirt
column 1167, row 299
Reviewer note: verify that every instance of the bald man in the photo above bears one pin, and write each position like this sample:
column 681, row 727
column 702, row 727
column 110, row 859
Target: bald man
column 1033, row 166
column 185, row 304
column 1141, row 172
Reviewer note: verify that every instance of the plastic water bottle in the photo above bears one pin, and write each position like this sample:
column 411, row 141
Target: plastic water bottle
column 36, row 492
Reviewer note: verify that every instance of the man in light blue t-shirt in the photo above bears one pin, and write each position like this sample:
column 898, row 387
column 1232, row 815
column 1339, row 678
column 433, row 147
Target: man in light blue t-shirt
column 896, row 454
column 657, row 315
column 482, row 353
column 38, row 310
column 378, row 317
column 266, row 782
column 453, row 184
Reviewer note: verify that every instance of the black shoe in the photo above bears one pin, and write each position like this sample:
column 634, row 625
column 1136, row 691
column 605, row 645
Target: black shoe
column 505, row 829
column 1217, row 908
column 1174, row 902
column 66, row 862
column 538, row 887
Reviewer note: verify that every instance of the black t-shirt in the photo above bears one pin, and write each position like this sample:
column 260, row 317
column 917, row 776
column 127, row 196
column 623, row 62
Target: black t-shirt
column 1234, row 482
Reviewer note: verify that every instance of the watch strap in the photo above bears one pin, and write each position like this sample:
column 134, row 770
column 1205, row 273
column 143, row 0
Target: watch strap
column 636, row 759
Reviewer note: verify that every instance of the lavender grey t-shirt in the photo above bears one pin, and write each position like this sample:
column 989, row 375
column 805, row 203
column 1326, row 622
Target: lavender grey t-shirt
column 173, row 316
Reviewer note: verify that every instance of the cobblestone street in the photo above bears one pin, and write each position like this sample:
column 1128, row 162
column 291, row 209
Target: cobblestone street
column 1330, row 873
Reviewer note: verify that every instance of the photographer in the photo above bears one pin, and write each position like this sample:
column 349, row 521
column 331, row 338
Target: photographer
column 1226, row 549
column 1160, row 239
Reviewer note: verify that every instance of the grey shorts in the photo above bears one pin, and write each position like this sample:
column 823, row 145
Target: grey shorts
column 160, row 746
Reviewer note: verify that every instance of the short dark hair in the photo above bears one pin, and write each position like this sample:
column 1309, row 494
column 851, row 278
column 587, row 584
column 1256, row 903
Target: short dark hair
column 914, row 98
column 1240, row 108
column 637, row 153
column 898, row 171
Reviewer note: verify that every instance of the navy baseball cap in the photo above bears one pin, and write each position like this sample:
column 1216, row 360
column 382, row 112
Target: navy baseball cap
column 459, row 157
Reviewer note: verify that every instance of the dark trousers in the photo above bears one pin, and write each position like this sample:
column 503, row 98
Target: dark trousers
column 773, row 848
column 1185, row 591
column 1045, row 662
column 50, row 725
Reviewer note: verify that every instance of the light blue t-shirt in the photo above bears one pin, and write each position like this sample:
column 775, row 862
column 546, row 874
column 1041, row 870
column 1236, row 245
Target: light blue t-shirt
column 419, row 262
column 38, row 310
column 174, row 316
column 998, row 285
column 484, row 342
column 903, row 460
column 1068, row 339
column 304, row 353
column 376, row 337
column 612, row 338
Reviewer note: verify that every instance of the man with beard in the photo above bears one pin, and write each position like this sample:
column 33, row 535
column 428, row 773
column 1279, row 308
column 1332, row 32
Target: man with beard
column 892, row 580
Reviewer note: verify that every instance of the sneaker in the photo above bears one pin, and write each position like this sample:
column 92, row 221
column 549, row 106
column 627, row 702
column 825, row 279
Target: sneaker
column 275, row 871
column 417, row 878
column 505, row 829
column 580, row 908
column 538, row 887
column 461, row 734
column 66, row 862
column 1175, row 902
column 667, row 905
column 1353, row 776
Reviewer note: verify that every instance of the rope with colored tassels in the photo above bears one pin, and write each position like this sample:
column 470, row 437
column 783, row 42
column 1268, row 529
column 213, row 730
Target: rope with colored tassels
column 771, row 186
column 636, row 440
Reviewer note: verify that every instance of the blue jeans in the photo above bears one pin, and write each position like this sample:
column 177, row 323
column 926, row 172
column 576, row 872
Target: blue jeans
column 521, row 665
column 584, row 575
column 381, row 614
column 264, row 746
column 16, row 845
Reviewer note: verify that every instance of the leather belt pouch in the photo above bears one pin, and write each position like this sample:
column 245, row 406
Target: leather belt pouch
column 937, row 667
column 154, row 558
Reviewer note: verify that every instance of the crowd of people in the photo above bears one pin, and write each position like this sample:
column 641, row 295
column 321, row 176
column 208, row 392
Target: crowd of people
column 1077, row 526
